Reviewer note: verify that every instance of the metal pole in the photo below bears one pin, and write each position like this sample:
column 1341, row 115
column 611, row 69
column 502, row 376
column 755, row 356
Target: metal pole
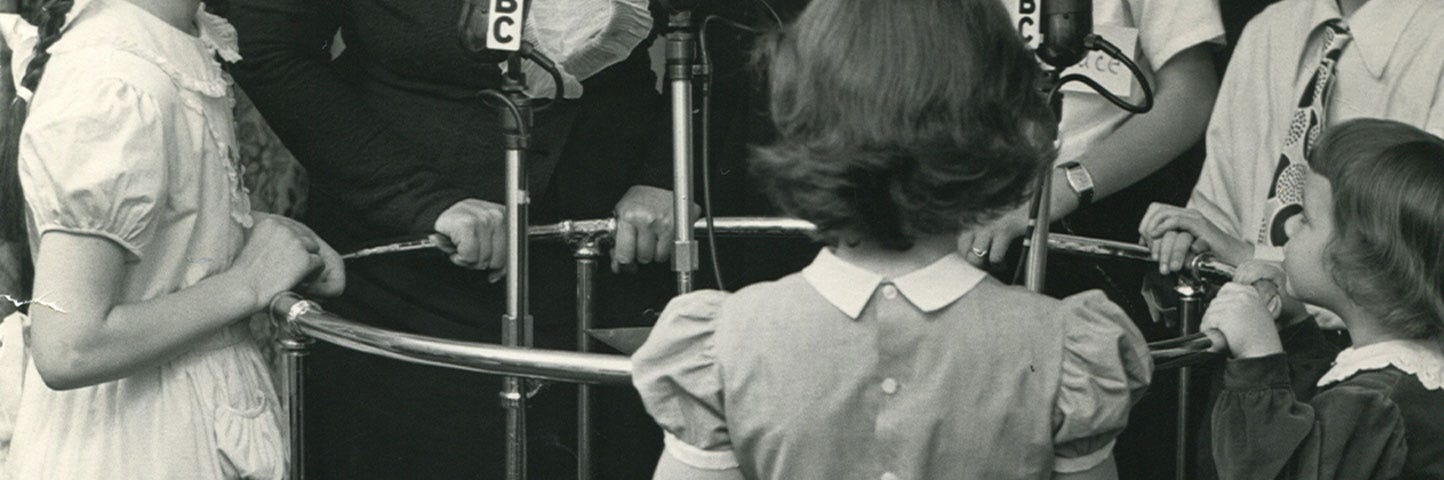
column 293, row 345
column 681, row 53
column 517, row 324
column 586, row 254
column 1042, row 209
column 1038, row 257
column 1190, row 309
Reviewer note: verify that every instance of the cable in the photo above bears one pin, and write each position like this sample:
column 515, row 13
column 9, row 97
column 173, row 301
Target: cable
column 1093, row 42
column 1098, row 43
column 705, row 74
column 521, row 127
column 768, row 6
column 536, row 56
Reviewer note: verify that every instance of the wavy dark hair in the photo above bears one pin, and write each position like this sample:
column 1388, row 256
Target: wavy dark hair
column 899, row 119
column 1387, row 251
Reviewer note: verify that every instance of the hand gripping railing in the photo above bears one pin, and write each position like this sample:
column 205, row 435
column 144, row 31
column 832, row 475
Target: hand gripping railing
column 302, row 320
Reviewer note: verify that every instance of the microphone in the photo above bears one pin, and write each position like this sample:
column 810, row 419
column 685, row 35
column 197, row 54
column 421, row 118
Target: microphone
column 491, row 28
column 1066, row 25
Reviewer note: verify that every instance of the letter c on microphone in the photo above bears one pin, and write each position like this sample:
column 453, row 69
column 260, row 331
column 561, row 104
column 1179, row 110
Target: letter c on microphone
column 503, row 26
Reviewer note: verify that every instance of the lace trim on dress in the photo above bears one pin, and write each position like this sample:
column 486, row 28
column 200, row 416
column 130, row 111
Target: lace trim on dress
column 211, row 82
column 1419, row 359
column 218, row 35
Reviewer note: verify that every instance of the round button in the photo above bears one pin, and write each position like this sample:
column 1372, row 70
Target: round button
column 889, row 386
column 889, row 476
column 889, row 291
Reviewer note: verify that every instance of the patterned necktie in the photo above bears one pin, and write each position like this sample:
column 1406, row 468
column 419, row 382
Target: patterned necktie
column 1285, row 198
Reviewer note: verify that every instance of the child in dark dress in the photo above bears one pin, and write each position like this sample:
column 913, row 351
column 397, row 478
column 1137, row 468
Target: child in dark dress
column 1369, row 246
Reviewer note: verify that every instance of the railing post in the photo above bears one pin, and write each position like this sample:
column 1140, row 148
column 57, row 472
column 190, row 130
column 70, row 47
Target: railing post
column 293, row 346
column 1190, row 308
column 587, row 251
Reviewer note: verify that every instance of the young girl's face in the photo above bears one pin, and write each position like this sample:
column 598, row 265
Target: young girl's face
column 1305, row 257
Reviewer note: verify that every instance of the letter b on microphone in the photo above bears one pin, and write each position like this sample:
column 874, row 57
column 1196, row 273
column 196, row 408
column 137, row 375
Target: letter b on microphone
column 503, row 26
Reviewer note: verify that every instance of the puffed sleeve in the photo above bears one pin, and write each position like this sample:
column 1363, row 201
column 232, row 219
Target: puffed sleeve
column 1105, row 370
column 1352, row 431
column 93, row 162
column 680, row 383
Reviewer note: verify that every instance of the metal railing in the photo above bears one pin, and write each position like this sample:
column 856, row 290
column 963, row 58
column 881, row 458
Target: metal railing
column 302, row 321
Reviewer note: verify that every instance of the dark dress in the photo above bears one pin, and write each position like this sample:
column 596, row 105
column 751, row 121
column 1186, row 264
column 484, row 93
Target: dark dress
column 391, row 134
column 1380, row 415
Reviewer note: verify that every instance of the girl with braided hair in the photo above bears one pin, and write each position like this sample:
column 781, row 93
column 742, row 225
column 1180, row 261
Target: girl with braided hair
column 147, row 255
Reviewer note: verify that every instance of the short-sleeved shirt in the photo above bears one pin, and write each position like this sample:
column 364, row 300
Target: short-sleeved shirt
column 839, row 373
column 1392, row 69
column 1164, row 28
column 130, row 138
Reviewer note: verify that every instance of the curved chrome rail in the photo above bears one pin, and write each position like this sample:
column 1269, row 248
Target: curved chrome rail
column 305, row 317
column 301, row 320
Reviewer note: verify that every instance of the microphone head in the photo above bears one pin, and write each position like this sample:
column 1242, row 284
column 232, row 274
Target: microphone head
column 1066, row 25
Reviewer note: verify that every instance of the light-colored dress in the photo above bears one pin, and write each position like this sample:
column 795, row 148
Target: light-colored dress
column 836, row 373
column 130, row 138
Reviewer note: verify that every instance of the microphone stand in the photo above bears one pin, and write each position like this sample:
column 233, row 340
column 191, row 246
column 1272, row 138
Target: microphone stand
column 516, row 119
column 681, row 61
column 1040, row 209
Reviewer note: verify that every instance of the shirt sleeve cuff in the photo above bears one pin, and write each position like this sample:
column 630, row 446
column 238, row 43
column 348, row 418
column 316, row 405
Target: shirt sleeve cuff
column 1085, row 462
column 1270, row 371
column 696, row 457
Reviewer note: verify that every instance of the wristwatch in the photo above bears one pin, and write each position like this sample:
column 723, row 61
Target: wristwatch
column 1080, row 181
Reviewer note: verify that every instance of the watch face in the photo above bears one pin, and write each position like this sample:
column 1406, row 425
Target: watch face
column 1079, row 178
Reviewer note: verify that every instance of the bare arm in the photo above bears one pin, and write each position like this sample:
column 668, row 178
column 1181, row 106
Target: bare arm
column 90, row 337
column 1185, row 89
column 1184, row 92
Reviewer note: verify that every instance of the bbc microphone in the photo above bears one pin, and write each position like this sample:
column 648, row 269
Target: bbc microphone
column 1065, row 27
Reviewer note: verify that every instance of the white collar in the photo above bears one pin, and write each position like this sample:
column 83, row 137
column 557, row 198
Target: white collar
column 1420, row 359
column 849, row 287
column 1376, row 27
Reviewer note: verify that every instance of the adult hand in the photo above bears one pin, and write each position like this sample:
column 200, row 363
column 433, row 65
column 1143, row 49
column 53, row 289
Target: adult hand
column 1238, row 320
column 477, row 233
column 989, row 243
column 645, row 224
column 281, row 254
column 1174, row 233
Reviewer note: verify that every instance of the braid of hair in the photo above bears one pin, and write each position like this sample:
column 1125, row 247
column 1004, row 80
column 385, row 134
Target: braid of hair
column 49, row 20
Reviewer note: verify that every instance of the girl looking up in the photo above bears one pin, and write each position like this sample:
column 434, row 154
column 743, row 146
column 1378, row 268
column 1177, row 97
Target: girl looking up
column 1370, row 247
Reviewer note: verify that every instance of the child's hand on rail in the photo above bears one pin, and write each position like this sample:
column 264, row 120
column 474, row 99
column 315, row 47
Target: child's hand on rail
column 1238, row 320
column 282, row 254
